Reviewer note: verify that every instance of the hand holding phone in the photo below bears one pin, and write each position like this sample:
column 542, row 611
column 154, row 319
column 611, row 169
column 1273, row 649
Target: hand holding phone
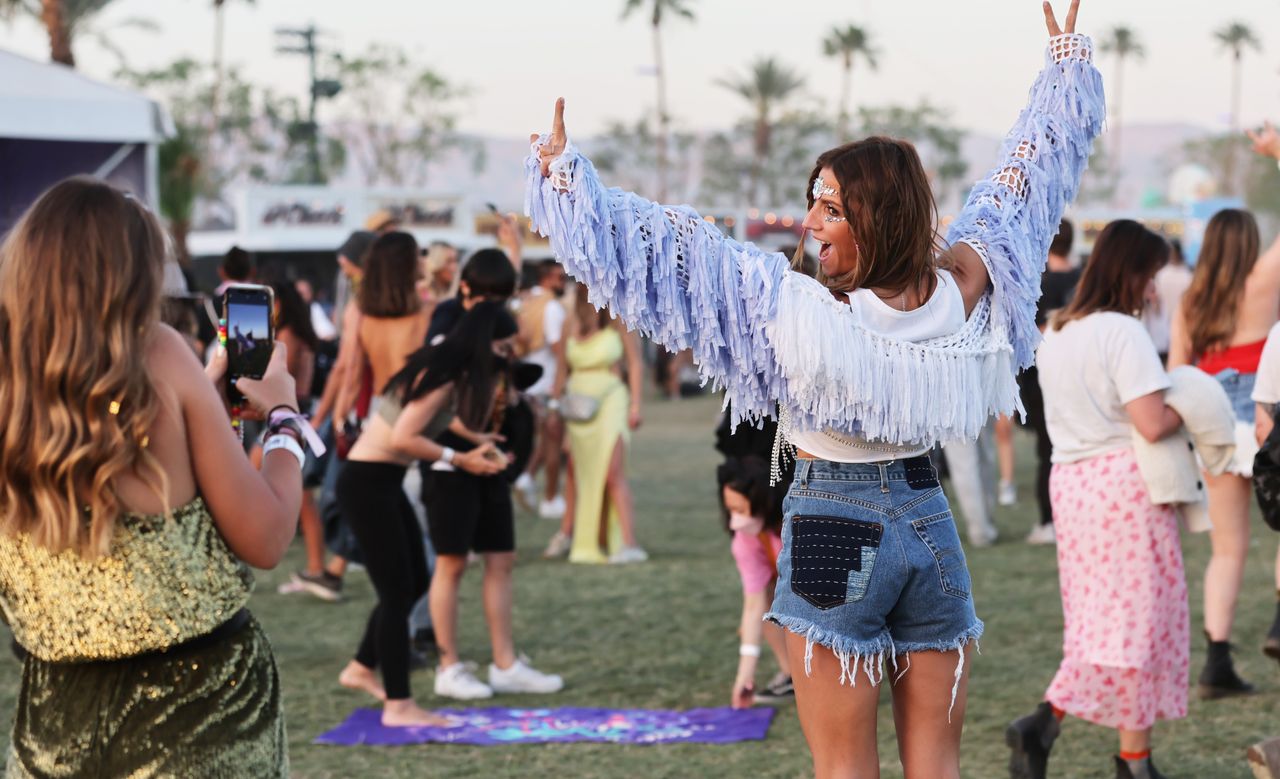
column 248, row 333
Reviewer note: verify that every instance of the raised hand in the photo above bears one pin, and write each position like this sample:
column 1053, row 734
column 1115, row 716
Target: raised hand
column 1051, row 21
column 1265, row 141
column 556, row 142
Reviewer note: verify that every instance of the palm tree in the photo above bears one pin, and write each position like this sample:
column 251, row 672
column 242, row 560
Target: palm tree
column 62, row 20
column 1235, row 37
column 848, row 43
column 658, row 9
column 1123, row 42
column 766, row 84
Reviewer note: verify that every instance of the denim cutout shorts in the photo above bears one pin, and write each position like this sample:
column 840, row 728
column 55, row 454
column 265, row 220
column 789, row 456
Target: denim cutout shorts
column 871, row 564
column 1239, row 387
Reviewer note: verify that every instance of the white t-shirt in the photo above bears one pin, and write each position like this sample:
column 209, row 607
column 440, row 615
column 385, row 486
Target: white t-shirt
column 1171, row 284
column 553, row 316
column 942, row 314
column 1267, row 387
column 1089, row 370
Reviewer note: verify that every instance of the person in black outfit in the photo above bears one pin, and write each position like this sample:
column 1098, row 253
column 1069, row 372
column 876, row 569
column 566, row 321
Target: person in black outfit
column 1057, row 286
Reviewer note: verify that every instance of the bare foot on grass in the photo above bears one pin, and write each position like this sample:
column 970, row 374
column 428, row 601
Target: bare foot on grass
column 405, row 713
column 359, row 677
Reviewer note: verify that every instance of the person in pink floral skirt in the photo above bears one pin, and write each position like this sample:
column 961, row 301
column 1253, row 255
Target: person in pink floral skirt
column 1126, row 639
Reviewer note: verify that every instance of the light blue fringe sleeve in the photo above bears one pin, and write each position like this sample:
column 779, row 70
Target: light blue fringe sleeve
column 1011, row 217
column 666, row 273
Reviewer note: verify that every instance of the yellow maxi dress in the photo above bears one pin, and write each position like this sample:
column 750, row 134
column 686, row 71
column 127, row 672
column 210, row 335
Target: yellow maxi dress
column 591, row 444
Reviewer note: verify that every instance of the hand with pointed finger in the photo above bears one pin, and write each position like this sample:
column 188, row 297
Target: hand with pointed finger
column 556, row 142
column 1051, row 21
column 1265, row 141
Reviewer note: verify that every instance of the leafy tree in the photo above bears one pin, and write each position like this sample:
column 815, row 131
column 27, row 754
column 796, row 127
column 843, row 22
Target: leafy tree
column 848, row 43
column 627, row 153
column 658, row 10
column 1258, row 180
column 66, row 21
column 1235, row 37
column 767, row 85
column 396, row 117
column 1123, row 43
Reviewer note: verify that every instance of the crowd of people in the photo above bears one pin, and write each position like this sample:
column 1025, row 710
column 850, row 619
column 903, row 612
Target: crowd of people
column 443, row 390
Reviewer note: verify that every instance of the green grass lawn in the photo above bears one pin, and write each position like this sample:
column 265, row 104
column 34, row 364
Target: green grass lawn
column 662, row 635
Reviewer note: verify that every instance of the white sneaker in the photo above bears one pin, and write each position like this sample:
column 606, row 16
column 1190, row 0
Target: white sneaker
column 457, row 681
column 526, row 492
column 558, row 546
column 629, row 554
column 1008, row 495
column 983, row 536
column 1042, row 535
column 552, row 509
column 522, row 677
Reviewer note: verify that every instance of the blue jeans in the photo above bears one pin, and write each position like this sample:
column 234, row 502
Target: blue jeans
column 871, row 565
column 1239, row 387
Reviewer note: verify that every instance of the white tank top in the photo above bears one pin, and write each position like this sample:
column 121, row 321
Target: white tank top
column 942, row 314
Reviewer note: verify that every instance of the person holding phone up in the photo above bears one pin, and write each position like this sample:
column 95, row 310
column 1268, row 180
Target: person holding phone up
column 128, row 511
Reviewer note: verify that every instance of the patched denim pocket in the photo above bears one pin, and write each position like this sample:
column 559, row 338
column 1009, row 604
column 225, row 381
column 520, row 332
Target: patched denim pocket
column 938, row 533
column 832, row 558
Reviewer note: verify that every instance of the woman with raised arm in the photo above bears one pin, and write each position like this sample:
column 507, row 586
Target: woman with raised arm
column 128, row 511
column 898, row 346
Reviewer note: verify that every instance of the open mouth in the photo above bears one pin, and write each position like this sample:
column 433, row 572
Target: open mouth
column 824, row 253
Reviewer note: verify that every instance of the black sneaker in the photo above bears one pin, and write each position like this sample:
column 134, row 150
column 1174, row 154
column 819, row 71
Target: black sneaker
column 780, row 690
column 424, row 641
column 1271, row 647
column 1219, row 679
column 1145, row 770
column 1030, row 739
column 323, row 585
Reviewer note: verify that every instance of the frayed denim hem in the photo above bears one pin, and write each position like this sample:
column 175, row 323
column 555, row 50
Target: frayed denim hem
column 871, row 655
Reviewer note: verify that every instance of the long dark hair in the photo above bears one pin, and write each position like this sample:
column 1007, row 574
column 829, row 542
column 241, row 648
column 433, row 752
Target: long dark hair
column 464, row 357
column 293, row 314
column 390, row 274
column 1125, row 258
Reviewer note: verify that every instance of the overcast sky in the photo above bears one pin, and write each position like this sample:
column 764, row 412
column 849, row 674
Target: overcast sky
column 975, row 58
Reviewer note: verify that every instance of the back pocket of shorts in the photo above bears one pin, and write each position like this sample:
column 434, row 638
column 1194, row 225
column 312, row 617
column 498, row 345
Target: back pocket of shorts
column 939, row 534
column 832, row 558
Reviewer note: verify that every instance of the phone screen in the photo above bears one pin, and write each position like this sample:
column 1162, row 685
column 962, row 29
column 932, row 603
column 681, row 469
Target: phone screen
column 249, row 333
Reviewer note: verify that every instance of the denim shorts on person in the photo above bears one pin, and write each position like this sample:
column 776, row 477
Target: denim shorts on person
column 1239, row 387
column 871, row 565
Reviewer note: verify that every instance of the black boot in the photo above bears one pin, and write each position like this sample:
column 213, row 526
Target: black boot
column 1143, row 770
column 1271, row 647
column 1030, row 738
column 1219, row 678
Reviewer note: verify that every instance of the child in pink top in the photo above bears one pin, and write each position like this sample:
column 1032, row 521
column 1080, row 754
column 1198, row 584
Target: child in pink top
column 753, row 513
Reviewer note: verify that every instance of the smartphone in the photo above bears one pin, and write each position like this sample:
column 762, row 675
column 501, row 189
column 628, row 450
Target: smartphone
column 248, row 332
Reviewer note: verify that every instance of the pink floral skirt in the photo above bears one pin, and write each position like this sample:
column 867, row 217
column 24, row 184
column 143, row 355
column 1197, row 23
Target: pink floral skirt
column 1126, row 640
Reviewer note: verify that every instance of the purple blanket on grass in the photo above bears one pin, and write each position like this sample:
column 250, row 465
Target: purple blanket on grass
column 488, row 727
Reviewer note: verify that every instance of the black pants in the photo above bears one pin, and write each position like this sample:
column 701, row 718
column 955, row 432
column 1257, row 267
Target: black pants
column 1033, row 401
column 374, row 506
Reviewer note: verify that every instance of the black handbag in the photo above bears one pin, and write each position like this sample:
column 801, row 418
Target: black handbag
column 1266, row 476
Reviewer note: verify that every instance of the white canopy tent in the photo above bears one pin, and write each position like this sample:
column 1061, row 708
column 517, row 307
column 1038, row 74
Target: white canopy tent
column 55, row 122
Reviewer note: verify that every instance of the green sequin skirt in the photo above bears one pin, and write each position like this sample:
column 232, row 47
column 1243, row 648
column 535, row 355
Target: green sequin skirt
column 210, row 711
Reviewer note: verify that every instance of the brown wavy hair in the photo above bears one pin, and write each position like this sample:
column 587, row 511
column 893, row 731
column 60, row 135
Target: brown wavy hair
column 889, row 207
column 1227, row 254
column 1125, row 258
column 80, row 281
column 391, row 268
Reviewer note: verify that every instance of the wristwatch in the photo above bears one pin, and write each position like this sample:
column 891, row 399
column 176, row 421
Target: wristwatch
column 553, row 404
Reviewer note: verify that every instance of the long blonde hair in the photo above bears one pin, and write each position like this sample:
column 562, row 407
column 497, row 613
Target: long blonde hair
column 80, row 281
column 1212, row 303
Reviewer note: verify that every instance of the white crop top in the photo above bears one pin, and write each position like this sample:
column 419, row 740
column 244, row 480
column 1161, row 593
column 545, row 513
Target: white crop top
column 942, row 314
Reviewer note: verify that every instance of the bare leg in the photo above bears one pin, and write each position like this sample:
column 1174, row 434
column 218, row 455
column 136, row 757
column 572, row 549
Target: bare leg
column 1229, row 512
column 619, row 490
column 839, row 721
column 443, row 597
column 497, row 605
column 337, row 566
column 928, row 726
column 1004, row 448
column 312, row 533
column 570, row 499
column 550, row 445
column 778, row 643
column 1135, row 740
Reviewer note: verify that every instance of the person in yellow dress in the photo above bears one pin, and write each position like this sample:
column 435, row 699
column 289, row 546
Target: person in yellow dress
column 598, row 525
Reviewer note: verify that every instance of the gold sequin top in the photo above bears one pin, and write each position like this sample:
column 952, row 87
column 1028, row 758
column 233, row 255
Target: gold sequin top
column 163, row 582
